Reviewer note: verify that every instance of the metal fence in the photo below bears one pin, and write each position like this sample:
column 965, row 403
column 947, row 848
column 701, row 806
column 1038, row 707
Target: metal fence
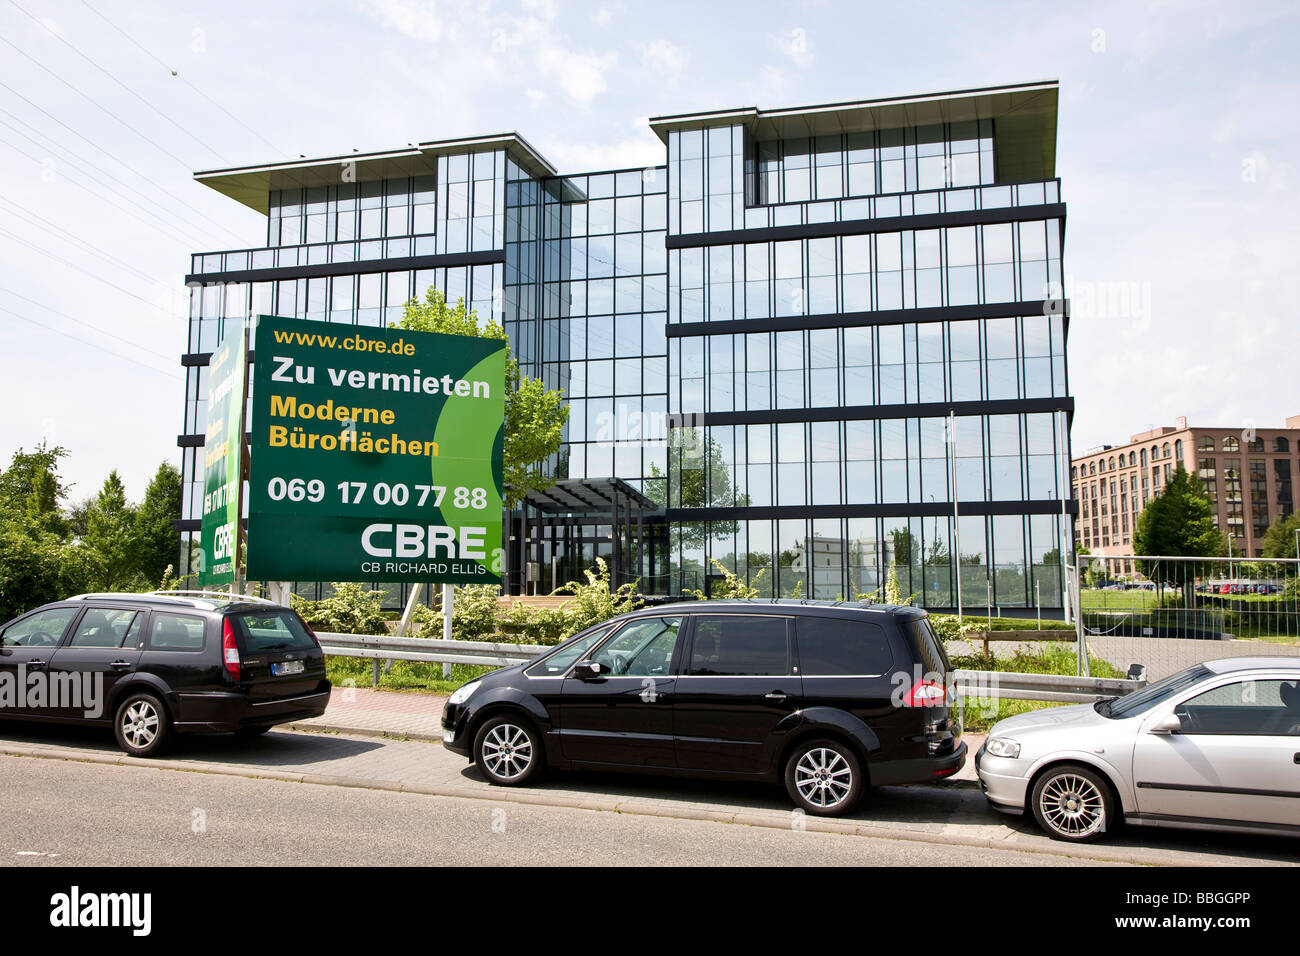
column 1170, row 612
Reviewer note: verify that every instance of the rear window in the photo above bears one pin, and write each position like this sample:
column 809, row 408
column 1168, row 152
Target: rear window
column 835, row 647
column 928, row 647
column 272, row 631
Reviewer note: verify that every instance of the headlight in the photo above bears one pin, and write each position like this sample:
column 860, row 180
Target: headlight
column 1002, row 747
column 462, row 693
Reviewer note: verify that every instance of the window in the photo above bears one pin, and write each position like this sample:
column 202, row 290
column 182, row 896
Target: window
column 107, row 627
column 735, row 645
column 1231, row 444
column 277, row 631
column 641, row 648
column 831, row 647
column 176, row 632
column 42, row 629
column 567, row 656
column 1253, row 708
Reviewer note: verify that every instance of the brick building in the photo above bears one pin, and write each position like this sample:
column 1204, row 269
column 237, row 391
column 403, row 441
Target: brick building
column 1250, row 475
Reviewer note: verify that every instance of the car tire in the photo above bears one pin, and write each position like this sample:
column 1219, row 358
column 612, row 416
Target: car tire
column 1073, row 803
column 508, row 751
column 824, row 777
column 141, row 725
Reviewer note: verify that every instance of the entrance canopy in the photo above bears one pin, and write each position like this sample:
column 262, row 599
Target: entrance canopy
column 589, row 496
column 564, row 509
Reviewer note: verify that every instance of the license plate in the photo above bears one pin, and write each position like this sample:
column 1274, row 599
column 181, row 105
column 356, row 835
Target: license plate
column 287, row 667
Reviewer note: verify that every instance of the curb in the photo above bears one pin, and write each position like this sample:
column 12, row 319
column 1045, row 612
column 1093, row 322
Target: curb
column 363, row 732
column 741, row 817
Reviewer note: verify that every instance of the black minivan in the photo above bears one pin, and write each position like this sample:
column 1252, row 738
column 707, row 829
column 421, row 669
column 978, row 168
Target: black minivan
column 829, row 697
column 156, row 664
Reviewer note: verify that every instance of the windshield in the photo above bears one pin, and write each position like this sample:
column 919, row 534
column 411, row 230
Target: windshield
column 1143, row 700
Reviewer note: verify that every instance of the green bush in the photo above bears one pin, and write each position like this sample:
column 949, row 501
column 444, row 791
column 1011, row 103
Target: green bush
column 596, row 601
column 349, row 610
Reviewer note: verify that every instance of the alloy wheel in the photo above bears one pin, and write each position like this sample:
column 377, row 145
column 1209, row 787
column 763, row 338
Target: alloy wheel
column 1072, row 805
column 507, row 751
column 823, row 777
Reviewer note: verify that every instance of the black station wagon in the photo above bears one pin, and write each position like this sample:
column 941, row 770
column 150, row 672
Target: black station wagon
column 152, row 665
column 829, row 697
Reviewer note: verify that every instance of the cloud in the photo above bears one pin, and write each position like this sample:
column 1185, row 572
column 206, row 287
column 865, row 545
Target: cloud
column 637, row 151
column 664, row 58
column 417, row 19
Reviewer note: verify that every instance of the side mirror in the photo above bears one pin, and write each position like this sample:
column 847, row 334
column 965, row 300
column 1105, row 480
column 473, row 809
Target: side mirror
column 1167, row 725
column 588, row 670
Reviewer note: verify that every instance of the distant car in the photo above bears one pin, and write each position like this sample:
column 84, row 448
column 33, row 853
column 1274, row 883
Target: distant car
column 154, row 665
column 830, row 698
column 1213, row 747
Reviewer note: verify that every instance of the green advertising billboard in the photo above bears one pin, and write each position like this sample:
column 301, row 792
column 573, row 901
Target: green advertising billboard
column 223, row 444
column 376, row 455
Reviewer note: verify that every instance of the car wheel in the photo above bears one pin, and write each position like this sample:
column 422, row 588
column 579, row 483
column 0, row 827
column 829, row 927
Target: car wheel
column 824, row 777
column 1073, row 803
column 141, row 725
column 508, row 751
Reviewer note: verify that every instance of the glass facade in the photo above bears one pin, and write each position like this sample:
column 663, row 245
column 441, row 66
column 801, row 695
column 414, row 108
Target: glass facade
column 766, row 336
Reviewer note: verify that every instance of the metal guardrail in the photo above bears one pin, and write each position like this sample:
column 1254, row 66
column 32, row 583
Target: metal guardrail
column 381, row 647
column 981, row 684
column 1056, row 688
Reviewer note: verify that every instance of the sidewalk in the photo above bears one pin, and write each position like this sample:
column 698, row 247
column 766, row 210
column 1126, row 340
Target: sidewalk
column 415, row 716
column 379, row 713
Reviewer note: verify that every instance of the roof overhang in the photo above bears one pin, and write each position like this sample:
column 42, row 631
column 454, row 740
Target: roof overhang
column 1025, row 116
column 252, row 185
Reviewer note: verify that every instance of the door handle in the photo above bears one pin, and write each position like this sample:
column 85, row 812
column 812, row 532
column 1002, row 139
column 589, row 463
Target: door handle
column 37, row 665
column 120, row 665
column 1296, row 759
column 775, row 695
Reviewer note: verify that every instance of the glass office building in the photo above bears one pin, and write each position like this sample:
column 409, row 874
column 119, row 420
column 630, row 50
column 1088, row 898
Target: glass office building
column 820, row 341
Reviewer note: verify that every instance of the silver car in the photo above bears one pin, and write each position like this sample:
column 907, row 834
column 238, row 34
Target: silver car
column 1214, row 747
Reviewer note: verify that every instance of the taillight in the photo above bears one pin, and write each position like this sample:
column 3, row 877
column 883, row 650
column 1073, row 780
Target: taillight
column 307, row 627
column 229, row 649
column 925, row 693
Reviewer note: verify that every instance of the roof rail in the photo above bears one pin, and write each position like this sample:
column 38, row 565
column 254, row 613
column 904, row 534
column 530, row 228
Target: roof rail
column 190, row 598
column 222, row 595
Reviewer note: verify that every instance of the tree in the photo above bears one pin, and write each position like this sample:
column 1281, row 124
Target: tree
column 1178, row 523
column 33, row 560
column 1280, row 539
column 109, row 544
column 156, row 540
column 535, row 415
column 31, row 486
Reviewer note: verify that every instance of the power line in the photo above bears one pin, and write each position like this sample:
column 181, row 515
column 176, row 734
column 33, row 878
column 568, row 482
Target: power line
column 90, row 99
column 123, row 122
column 54, row 229
column 174, row 72
column 84, row 271
column 189, row 240
column 100, row 348
column 89, row 325
column 50, row 30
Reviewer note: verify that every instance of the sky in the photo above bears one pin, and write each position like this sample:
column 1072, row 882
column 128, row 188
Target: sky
column 1176, row 131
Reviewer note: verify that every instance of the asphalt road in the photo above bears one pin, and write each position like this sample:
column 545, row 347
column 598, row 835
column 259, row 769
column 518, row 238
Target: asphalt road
column 338, row 799
column 130, row 816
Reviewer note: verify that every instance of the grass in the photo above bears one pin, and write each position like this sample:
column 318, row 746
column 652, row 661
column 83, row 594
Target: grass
column 982, row 713
column 404, row 675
